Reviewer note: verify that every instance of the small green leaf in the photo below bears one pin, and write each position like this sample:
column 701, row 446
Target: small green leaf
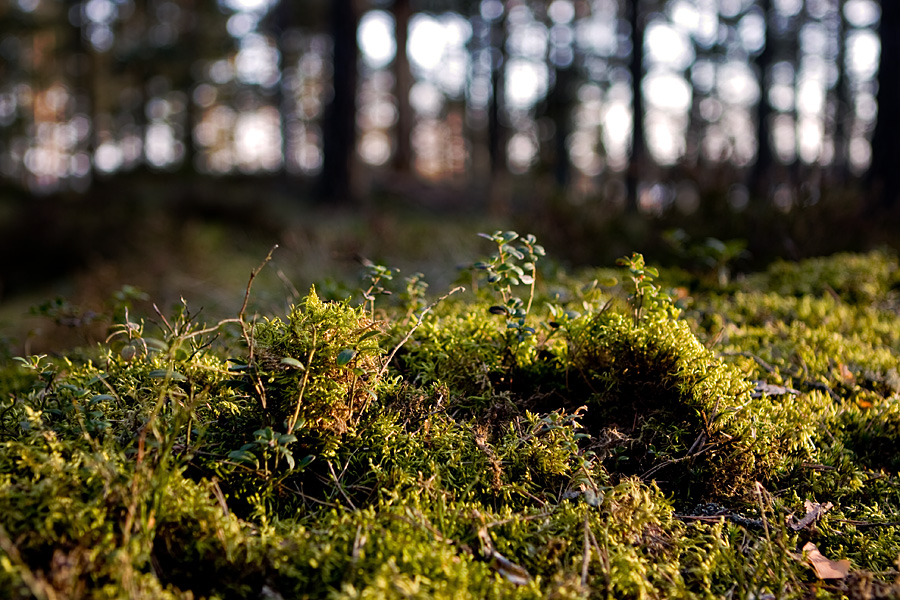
column 264, row 435
column 155, row 343
column 368, row 334
column 345, row 356
column 164, row 374
column 100, row 398
column 498, row 310
column 292, row 362
column 242, row 456
column 74, row 389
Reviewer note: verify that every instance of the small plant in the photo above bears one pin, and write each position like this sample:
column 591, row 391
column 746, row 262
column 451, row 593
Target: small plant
column 267, row 449
column 514, row 264
column 414, row 295
column 645, row 294
column 316, row 366
column 376, row 276
column 714, row 258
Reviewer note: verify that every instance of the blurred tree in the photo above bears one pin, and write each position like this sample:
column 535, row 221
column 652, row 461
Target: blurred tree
column 884, row 176
column 404, row 81
column 636, row 67
column 136, row 78
column 339, row 122
column 497, row 135
column 560, row 102
column 761, row 173
column 842, row 102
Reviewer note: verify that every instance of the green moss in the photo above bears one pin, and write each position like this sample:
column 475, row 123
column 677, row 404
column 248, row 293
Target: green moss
column 855, row 278
column 592, row 450
column 314, row 366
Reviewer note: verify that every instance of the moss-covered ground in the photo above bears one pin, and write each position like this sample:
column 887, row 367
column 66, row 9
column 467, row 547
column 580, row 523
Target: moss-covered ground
column 618, row 432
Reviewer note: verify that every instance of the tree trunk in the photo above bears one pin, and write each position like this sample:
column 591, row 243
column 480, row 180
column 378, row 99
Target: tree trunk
column 404, row 79
column 559, row 110
column 843, row 114
column 884, row 177
column 339, row 122
column 761, row 172
column 636, row 162
column 496, row 131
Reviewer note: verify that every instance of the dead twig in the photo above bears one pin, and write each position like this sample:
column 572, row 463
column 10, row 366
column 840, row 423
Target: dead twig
column 818, row 385
column 857, row 523
column 246, row 329
column 766, row 366
column 339, row 486
column 412, row 330
column 586, row 558
column 253, row 275
column 692, row 453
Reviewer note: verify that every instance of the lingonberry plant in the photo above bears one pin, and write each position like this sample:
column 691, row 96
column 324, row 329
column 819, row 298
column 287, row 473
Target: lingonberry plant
column 513, row 264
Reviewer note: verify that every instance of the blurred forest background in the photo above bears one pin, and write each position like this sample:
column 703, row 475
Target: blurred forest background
column 175, row 134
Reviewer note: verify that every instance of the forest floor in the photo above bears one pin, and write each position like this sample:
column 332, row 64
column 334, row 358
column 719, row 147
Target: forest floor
column 624, row 431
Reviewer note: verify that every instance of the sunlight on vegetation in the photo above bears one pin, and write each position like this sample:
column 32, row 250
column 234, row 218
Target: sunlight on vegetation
column 536, row 437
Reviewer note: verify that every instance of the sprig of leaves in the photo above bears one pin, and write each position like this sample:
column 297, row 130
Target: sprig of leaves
column 646, row 295
column 514, row 264
column 376, row 276
column 267, row 448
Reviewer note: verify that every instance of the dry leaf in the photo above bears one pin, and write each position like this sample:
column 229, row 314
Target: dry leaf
column 814, row 511
column 846, row 374
column 825, row 567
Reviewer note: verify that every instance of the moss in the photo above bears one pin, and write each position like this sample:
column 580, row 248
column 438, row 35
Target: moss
column 317, row 362
column 595, row 449
column 855, row 278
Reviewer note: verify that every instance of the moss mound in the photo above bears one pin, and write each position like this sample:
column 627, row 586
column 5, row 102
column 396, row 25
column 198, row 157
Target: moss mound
column 536, row 438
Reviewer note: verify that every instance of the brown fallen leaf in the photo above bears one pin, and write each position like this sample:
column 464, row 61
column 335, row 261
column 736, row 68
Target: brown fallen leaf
column 846, row 373
column 825, row 567
column 814, row 511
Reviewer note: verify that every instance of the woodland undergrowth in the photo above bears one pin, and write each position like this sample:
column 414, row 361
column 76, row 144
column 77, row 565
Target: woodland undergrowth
column 532, row 433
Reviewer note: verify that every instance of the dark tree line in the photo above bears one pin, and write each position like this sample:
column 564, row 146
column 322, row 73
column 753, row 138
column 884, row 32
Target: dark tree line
column 142, row 80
